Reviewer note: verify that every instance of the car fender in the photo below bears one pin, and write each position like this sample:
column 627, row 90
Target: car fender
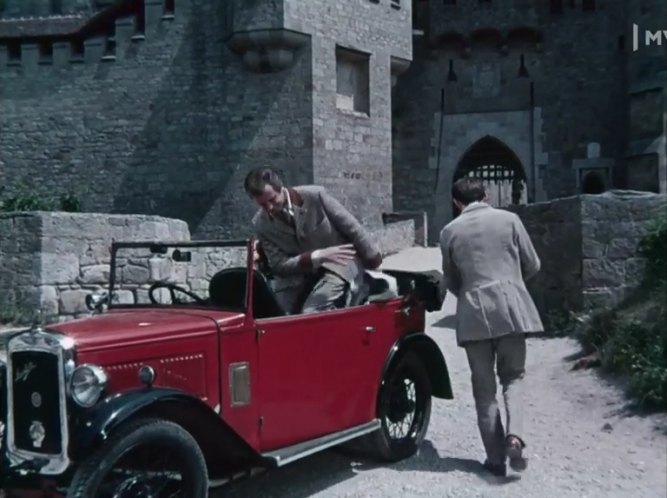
column 430, row 354
column 94, row 426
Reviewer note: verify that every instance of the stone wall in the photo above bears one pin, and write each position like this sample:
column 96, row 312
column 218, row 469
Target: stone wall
column 352, row 151
column 169, row 120
column 555, row 229
column 20, row 261
column 613, row 224
column 50, row 261
column 168, row 124
column 588, row 247
column 646, row 68
column 395, row 236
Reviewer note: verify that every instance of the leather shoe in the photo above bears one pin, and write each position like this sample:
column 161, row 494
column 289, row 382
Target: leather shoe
column 497, row 469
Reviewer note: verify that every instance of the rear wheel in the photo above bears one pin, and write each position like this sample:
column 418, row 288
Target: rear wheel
column 148, row 458
column 404, row 410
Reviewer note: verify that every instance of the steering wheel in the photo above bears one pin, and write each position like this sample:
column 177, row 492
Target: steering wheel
column 172, row 288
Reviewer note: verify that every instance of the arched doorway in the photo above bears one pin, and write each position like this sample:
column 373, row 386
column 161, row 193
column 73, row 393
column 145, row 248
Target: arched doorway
column 498, row 167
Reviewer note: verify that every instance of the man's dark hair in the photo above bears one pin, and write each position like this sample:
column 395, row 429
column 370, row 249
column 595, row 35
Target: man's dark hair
column 258, row 178
column 467, row 190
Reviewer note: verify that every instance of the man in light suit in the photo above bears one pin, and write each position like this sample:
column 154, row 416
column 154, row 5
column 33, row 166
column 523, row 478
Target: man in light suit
column 486, row 257
column 309, row 238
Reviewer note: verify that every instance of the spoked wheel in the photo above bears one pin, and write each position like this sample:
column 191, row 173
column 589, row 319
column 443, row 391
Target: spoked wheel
column 147, row 459
column 404, row 409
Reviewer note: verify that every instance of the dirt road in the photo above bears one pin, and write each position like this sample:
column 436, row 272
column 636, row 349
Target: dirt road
column 582, row 442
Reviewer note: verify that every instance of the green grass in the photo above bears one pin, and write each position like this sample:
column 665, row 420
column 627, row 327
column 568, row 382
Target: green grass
column 631, row 338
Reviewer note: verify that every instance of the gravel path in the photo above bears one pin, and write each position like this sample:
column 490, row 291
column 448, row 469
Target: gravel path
column 582, row 442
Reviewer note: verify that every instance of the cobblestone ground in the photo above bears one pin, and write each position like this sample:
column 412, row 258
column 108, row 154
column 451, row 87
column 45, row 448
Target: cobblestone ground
column 582, row 441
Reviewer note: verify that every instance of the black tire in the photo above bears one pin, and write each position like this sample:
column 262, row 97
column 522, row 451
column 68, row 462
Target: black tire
column 381, row 444
column 155, row 434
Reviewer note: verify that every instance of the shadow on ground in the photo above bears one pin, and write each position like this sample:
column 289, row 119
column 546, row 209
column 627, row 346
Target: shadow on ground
column 329, row 468
column 446, row 322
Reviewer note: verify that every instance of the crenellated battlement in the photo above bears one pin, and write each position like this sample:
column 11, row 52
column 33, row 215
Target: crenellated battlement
column 58, row 41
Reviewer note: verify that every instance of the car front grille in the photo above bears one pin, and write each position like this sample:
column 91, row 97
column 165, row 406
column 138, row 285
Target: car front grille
column 38, row 363
column 35, row 402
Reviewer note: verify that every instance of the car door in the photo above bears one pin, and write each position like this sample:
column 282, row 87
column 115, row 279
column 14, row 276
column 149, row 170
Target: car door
column 318, row 373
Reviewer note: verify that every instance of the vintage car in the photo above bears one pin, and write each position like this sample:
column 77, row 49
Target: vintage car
column 189, row 372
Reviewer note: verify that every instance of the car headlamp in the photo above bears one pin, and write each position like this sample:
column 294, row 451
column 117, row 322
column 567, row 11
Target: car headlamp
column 87, row 384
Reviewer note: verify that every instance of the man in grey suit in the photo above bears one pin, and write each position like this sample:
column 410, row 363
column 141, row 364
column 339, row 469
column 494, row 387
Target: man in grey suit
column 308, row 236
column 486, row 257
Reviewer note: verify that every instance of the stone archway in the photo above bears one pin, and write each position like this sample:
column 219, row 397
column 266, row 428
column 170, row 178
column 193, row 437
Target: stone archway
column 498, row 167
column 454, row 136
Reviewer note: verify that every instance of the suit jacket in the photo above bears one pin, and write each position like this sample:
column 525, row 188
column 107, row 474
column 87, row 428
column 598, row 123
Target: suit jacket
column 486, row 257
column 320, row 221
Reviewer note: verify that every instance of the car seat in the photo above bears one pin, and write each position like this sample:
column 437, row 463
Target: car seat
column 227, row 290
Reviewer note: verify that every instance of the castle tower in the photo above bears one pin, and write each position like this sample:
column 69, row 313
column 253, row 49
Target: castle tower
column 347, row 59
column 645, row 43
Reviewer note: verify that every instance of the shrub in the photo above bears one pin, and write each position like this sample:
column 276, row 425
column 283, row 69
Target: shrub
column 24, row 203
column 31, row 202
column 70, row 203
column 631, row 339
column 654, row 248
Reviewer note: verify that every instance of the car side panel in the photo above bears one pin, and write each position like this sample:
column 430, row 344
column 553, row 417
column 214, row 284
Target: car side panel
column 239, row 350
column 320, row 373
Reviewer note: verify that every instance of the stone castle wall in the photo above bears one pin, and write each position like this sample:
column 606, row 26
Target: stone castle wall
column 588, row 247
column 577, row 61
column 169, row 119
column 646, row 68
column 168, row 125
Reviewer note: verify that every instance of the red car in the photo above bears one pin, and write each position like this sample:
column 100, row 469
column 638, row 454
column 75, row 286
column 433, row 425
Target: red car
column 194, row 373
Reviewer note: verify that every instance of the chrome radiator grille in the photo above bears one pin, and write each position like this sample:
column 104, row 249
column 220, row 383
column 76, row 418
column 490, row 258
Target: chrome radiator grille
column 37, row 429
column 35, row 402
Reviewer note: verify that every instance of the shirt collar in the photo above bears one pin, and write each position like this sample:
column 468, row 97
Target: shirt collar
column 289, row 210
column 474, row 205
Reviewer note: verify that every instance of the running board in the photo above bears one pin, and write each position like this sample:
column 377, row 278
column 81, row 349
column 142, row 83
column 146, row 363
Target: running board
column 283, row 456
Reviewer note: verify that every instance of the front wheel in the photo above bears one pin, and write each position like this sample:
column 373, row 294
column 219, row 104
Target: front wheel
column 404, row 409
column 148, row 458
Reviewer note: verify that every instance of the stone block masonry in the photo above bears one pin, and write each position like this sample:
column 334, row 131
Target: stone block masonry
column 168, row 128
column 169, row 121
column 588, row 245
column 51, row 261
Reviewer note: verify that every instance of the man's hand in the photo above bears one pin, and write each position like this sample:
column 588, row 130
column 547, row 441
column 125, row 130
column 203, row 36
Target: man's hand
column 255, row 254
column 342, row 254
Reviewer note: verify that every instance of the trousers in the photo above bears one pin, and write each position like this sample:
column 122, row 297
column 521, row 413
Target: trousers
column 507, row 354
column 329, row 292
